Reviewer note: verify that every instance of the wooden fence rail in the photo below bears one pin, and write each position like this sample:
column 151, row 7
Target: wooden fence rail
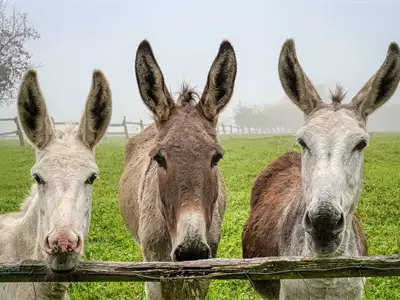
column 225, row 269
column 222, row 129
column 17, row 132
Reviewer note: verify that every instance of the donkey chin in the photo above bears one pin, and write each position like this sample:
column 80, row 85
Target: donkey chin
column 63, row 262
column 324, row 243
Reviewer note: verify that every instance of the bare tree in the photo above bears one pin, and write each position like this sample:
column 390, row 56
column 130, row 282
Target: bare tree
column 14, row 58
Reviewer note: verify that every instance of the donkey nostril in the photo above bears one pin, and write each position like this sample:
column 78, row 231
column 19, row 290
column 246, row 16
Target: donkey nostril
column 205, row 254
column 184, row 253
column 307, row 222
column 78, row 244
column 46, row 245
column 340, row 223
column 177, row 253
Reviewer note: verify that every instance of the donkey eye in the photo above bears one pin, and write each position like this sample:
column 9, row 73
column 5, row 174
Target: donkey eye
column 91, row 179
column 160, row 159
column 38, row 179
column 302, row 144
column 215, row 159
column 360, row 146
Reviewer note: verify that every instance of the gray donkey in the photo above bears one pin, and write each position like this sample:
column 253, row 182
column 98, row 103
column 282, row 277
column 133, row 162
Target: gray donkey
column 305, row 205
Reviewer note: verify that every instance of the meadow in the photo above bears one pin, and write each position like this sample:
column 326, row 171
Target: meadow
column 244, row 158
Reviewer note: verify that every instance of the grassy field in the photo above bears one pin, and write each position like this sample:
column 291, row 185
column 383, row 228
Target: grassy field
column 244, row 158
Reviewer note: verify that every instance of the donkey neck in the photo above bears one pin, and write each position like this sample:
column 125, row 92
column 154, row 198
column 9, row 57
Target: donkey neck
column 29, row 233
column 28, row 229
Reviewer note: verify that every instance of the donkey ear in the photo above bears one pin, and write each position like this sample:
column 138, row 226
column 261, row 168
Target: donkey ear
column 151, row 83
column 220, row 82
column 294, row 81
column 97, row 115
column 380, row 87
column 32, row 111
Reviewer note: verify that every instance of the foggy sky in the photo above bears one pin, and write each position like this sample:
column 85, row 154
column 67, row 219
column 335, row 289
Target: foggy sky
column 336, row 41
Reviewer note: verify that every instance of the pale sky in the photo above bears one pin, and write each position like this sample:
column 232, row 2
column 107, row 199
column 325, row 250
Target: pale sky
column 343, row 41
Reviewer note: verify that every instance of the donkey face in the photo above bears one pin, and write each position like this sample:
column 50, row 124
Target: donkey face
column 333, row 139
column 65, row 169
column 187, row 150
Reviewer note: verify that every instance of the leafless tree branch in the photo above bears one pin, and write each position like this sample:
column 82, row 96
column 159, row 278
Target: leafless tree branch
column 14, row 58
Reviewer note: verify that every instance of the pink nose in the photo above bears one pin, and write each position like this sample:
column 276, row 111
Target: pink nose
column 62, row 242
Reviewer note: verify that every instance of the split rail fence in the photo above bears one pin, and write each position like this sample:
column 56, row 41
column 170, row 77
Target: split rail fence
column 125, row 125
column 222, row 269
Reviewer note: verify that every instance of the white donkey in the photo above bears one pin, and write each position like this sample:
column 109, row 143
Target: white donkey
column 54, row 219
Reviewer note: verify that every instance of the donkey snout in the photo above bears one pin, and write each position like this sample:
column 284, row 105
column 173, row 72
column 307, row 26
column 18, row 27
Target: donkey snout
column 191, row 251
column 191, row 241
column 61, row 242
column 324, row 218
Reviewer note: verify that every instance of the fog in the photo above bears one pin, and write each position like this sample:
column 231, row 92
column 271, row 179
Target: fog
column 336, row 41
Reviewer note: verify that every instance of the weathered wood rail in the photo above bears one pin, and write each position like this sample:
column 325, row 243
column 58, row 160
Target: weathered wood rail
column 224, row 269
column 17, row 132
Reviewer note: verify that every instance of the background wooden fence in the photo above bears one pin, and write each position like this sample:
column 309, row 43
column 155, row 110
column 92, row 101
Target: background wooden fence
column 125, row 125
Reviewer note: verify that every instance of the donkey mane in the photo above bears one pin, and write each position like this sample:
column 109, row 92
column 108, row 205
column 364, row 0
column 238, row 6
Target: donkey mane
column 187, row 96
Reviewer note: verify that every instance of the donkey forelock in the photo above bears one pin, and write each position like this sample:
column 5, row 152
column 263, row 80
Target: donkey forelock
column 338, row 95
column 187, row 95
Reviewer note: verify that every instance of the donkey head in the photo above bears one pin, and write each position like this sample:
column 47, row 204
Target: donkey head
column 187, row 150
column 65, row 169
column 333, row 139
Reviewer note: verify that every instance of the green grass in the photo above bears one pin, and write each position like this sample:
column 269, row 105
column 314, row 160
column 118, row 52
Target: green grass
column 244, row 158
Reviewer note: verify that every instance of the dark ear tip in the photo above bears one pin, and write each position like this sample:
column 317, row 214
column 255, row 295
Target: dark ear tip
column 144, row 46
column 98, row 75
column 289, row 46
column 226, row 46
column 393, row 48
column 30, row 74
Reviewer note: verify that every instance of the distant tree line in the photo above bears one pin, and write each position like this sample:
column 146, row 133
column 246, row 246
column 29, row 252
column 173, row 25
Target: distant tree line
column 285, row 114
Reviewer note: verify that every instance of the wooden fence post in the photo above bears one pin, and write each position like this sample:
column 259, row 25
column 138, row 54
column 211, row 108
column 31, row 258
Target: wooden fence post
column 231, row 128
column 125, row 127
column 141, row 125
column 223, row 128
column 19, row 132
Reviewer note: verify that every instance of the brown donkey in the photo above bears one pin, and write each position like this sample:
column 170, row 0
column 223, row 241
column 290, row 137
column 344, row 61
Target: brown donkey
column 171, row 193
column 304, row 205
